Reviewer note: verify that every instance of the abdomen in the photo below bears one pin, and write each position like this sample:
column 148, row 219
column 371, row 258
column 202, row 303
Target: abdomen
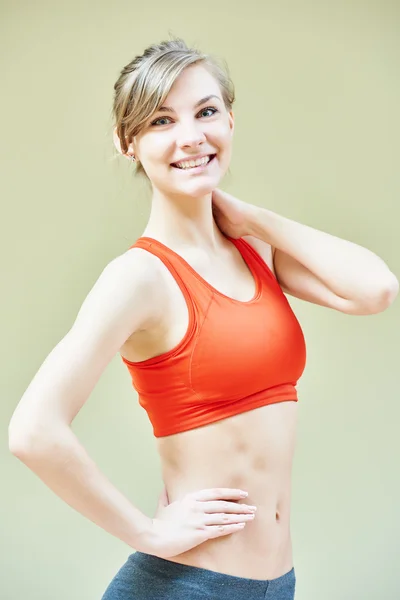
column 251, row 451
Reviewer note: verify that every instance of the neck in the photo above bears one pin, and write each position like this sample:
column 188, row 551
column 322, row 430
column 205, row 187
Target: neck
column 184, row 221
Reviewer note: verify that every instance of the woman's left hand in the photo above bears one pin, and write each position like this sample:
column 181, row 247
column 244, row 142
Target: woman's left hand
column 233, row 216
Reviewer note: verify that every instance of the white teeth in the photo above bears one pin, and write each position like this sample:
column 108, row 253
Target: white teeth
column 189, row 164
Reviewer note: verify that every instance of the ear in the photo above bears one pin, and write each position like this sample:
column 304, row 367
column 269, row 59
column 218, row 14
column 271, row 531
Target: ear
column 231, row 118
column 117, row 144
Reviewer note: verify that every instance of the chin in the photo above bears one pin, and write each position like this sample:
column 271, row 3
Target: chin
column 203, row 190
column 199, row 191
column 198, row 188
column 194, row 189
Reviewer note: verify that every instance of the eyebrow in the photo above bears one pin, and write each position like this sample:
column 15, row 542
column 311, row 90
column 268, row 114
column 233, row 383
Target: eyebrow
column 199, row 103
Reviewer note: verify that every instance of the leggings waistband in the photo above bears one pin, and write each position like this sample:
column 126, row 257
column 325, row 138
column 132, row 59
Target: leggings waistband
column 149, row 577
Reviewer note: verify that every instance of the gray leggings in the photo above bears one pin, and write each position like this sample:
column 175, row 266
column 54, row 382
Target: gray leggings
column 147, row 577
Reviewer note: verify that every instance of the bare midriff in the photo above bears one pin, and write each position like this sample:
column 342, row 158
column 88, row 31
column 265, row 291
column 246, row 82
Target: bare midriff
column 252, row 451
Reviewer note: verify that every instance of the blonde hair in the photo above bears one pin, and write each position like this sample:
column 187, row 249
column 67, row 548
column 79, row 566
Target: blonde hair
column 145, row 82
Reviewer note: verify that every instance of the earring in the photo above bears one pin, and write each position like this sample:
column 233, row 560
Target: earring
column 133, row 158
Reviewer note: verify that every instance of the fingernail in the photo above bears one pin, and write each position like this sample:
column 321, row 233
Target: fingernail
column 244, row 494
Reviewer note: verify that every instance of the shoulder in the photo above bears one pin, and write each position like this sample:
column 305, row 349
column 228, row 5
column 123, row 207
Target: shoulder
column 133, row 279
column 134, row 269
column 137, row 263
column 266, row 251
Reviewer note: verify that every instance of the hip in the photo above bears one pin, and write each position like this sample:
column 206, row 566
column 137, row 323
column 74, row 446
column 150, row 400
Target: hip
column 147, row 577
column 261, row 551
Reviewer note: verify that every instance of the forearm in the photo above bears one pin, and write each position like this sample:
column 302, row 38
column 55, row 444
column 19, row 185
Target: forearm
column 63, row 464
column 349, row 270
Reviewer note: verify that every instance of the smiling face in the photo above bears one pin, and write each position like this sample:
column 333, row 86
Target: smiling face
column 193, row 122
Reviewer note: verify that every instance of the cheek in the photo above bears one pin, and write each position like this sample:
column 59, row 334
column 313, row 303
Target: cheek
column 223, row 138
column 225, row 144
column 152, row 148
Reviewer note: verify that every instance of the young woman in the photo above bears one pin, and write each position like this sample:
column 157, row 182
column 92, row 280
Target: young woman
column 197, row 310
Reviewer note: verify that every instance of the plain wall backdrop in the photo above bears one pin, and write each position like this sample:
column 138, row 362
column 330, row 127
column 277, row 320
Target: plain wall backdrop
column 316, row 140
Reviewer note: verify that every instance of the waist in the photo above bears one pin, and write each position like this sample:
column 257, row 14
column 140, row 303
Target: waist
column 252, row 451
column 263, row 550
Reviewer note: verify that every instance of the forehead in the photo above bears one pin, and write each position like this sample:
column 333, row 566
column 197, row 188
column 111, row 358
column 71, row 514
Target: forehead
column 193, row 83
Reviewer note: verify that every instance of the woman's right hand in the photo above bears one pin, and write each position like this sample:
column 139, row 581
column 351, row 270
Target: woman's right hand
column 199, row 516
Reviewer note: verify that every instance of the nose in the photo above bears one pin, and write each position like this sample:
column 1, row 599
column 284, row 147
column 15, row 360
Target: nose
column 190, row 135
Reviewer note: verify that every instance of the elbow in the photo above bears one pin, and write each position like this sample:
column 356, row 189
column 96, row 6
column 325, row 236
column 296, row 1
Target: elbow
column 389, row 292
column 20, row 432
column 26, row 440
column 20, row 442
column 17, row 447
column 384, row 296
column 37, row 441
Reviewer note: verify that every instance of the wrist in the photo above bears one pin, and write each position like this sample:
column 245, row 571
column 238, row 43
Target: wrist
column 143, row 535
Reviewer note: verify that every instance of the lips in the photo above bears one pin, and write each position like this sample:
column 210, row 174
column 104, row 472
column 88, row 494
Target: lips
column 212, row 156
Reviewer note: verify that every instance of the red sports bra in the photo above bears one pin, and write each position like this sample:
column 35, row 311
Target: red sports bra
column 234, row 357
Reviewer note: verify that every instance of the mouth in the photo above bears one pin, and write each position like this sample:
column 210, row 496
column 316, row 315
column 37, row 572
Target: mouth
column 196, row 167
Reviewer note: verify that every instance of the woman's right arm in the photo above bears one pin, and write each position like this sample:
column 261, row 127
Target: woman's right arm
column 120, row 303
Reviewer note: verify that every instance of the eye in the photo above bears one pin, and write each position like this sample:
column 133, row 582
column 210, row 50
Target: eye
column 160, row 119
column 203, row 110
column 209, row 108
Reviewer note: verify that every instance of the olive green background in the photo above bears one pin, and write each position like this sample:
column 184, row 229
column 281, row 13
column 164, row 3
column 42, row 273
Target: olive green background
column 317, row 134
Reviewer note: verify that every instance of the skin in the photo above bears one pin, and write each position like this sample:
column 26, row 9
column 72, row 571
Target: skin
column 254, row 450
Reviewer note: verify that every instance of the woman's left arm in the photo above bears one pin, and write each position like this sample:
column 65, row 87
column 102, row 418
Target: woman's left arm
column 344, row 275
column 308, row 263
